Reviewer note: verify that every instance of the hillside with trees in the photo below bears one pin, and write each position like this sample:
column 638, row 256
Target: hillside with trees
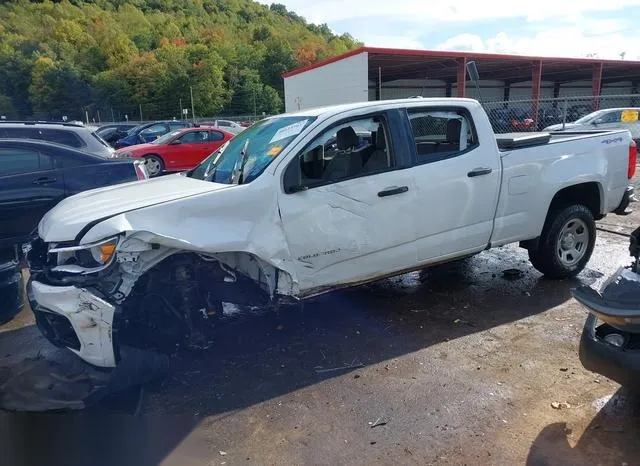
column 117, row 57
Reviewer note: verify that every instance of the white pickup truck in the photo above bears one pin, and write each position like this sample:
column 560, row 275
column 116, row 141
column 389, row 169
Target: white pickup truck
column 305, row 203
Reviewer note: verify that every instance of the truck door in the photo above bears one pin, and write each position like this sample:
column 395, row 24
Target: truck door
column 457, row 178
column 346, row 208
column 29, row 187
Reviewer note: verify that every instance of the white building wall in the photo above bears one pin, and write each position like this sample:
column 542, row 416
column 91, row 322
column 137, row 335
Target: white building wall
column 340, row 82
column 522, row 90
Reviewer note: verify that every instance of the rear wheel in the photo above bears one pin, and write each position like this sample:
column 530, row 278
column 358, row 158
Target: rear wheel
column 154, row 165
column 566, row 243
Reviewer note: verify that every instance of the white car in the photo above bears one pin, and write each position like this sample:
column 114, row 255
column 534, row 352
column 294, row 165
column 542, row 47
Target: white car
column 612, row 118
column 227, row 125
column 305, row 203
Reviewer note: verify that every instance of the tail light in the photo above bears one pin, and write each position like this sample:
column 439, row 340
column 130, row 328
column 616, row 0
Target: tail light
column 633, row 158
column 141, row 172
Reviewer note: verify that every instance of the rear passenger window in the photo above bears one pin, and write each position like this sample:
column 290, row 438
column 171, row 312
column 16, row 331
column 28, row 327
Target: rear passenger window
column 19, row 133
column 216, row 136
column 440, row 134
column 16, row 161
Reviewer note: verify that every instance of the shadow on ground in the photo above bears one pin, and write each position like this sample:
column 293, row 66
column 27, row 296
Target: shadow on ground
column 610, row 438
column 258, row 356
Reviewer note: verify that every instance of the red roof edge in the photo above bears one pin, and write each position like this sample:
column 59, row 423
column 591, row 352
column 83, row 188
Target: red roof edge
column 445, row 54
column 318, row 64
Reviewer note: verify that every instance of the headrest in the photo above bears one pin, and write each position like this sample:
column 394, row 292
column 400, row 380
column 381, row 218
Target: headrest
column 453, row 130
column 346, row 138
column 381, row 139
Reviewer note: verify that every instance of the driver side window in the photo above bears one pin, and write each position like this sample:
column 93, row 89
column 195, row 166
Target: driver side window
column 348, row 150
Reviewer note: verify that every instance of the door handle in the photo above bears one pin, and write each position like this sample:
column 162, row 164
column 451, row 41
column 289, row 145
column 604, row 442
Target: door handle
column 479, row 172
column 393, row 191
column 44, row 180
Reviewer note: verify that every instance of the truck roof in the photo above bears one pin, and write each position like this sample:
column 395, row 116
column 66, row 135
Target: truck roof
column 339, row 108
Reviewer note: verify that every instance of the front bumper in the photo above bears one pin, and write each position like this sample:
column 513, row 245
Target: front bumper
column 75, row 318
column 627, row 198
column 619, row 364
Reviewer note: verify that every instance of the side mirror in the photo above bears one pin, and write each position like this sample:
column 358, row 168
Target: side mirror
column 175, row 142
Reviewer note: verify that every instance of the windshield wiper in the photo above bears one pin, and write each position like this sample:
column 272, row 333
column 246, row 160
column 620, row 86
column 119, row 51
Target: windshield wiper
column 238, row 175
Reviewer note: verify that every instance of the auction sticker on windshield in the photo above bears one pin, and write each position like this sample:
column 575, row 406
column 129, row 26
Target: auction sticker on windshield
column 629, row 116
column 288, row 131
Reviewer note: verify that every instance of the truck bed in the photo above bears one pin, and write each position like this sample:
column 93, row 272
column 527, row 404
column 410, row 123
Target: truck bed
column 511, row 141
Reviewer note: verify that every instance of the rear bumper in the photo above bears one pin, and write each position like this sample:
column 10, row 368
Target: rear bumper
column 627, row 197
column 77, row 319
column 619, row 364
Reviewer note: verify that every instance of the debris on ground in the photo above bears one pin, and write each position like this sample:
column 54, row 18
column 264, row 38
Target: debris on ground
column 377, row 423
column 558, row 405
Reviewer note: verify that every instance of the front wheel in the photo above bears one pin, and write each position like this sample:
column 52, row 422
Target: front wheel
column 566, row 243
column 154, row 165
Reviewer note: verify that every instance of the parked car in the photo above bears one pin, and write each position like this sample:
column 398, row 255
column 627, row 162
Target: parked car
column 227, row 125
column 549, row 116
column 113, row 132
column 611, row 118
column 610, row 343
column 575, row 112
column 149, row 132
column 36, row 175
column 179, row 150
column 72, row 135
column 504, row 120
column 299, row 205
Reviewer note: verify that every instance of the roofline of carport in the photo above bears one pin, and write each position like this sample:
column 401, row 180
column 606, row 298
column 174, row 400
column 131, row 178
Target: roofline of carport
column 444, row 54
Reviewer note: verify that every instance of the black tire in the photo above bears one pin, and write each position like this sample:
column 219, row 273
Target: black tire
column 153, row 160
column 546, row 257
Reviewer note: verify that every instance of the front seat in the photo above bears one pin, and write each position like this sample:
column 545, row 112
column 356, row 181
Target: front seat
column 345, row 163
column 452, row 143
column 379, row 159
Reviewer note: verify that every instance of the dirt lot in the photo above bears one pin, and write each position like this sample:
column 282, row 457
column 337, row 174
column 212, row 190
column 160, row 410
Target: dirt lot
column 455, row 365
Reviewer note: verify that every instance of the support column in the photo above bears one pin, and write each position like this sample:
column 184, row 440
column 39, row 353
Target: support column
column 536, row 79
column 506, row 92
column 462, row 77
column 596, row 85
column 448, row 89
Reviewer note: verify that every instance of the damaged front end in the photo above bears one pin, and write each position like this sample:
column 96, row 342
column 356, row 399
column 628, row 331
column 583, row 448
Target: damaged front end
column 610, row 343
column 133, row 290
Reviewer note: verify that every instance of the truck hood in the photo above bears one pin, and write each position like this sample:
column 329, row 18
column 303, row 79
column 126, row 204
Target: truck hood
column 69, row 217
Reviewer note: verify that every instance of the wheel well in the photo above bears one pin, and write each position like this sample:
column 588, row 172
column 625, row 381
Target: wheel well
column 587, row 194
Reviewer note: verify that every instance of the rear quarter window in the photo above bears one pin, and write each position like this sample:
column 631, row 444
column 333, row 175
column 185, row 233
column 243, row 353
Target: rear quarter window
column 60, row 136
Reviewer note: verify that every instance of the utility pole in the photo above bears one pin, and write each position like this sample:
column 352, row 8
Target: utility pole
column 255, row 111
column 112, row 117
column 140, row 105
column 193, row 111
column 180, row 113
column 86, row 115
column 99, row 121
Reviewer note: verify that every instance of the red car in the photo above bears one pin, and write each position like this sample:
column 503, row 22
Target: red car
column 178, row 150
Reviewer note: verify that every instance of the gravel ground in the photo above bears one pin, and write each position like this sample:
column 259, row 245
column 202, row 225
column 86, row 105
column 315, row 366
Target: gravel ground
column 459, row 364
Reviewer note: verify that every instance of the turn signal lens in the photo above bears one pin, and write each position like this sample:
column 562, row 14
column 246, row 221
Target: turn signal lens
column 106, row 252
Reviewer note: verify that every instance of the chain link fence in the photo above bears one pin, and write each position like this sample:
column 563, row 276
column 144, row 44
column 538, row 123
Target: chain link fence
column 525, row 115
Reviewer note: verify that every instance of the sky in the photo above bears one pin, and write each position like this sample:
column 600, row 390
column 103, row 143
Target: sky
column 576, row 28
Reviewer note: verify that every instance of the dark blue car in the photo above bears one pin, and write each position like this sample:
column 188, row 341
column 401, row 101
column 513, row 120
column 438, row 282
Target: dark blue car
column 34, row 177
column 149, row 132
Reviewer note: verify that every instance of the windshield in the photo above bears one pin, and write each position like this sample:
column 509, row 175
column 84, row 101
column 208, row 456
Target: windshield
column 135, row 129
column 589, row 117
column 166, row 138
column 258, row 145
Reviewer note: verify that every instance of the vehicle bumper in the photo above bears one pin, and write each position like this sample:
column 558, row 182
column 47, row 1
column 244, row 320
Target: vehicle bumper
column 627, row 198
column 619, row 364
column 11, row 290
column 77, row 319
